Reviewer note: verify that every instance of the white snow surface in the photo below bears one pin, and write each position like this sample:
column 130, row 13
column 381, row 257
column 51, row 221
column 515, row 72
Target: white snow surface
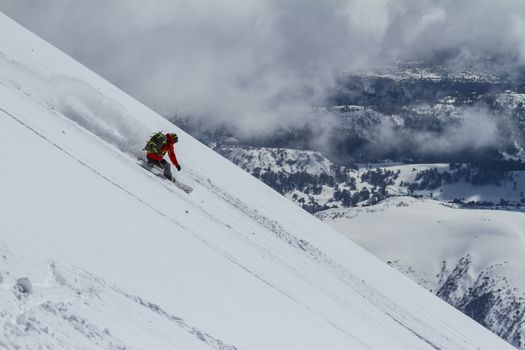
column 422, row 236
column 473, row 259
column 119, row 258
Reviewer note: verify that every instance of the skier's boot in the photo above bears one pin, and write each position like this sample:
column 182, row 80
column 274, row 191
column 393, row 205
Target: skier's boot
column 167, row 169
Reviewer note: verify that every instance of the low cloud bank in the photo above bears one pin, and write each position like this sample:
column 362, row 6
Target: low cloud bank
column 245, row 63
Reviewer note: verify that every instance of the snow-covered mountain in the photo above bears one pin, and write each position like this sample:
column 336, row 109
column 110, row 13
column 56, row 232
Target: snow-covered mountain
column 307, row 178
column 98, row 253
column 278, row 160
column 315, row 183
column 473, row 259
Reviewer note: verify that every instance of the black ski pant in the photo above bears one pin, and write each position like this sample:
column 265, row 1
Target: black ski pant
column 161, row 164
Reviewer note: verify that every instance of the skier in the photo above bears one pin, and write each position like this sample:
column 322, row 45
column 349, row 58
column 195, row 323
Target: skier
column 157, row 147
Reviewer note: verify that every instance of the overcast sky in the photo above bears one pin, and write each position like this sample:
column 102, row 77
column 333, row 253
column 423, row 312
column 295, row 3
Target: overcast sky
column 210, row 55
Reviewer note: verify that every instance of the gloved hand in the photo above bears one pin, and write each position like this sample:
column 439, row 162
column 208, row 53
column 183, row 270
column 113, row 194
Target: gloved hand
column 178, row 167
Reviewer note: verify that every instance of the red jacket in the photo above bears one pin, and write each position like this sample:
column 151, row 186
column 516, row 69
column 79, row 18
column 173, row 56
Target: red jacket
column 168, row 147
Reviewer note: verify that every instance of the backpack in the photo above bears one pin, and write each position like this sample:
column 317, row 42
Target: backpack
column 155, row 143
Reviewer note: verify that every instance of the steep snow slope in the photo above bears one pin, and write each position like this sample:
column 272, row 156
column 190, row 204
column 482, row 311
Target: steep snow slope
column 119, row 258
column 473, row 259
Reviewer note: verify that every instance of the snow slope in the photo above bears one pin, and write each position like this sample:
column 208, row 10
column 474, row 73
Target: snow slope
column 119, row 258
column 473, row 259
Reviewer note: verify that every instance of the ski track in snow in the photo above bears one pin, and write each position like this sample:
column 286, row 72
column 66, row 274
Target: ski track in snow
column 70, row 286
column 201, row 335
column 61, row 149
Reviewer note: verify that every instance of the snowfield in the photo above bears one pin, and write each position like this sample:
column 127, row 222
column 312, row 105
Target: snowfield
column 118, row 258
column 473, row 259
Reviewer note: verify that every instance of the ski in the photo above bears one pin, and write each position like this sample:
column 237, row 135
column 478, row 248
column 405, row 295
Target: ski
column 154, row 170
column 186, row 188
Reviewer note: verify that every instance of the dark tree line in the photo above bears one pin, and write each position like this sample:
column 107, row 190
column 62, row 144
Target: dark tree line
column 303, row 181
column 431, row 179
column 380, row 177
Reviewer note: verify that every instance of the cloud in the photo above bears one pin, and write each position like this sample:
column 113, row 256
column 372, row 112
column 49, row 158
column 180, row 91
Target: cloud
column 517, row 33
column 473, row 131
column 236, row 60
